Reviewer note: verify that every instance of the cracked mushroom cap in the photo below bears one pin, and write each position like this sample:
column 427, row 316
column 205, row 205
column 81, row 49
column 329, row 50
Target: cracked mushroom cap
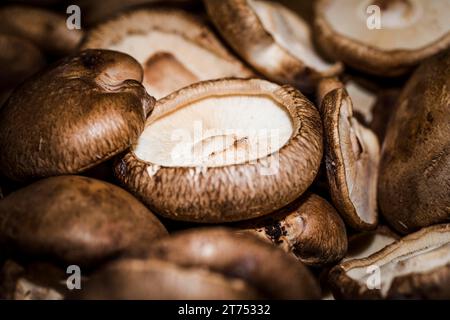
column 414, row 184
column 46, row 29
column 309, row 228
column 352, row 156
column 210, row 263
column 415, row 267
column 174, row 48
column 225, row 150
column 82, row 111
column 273, row 39
column 410, row 31
column 74, row 220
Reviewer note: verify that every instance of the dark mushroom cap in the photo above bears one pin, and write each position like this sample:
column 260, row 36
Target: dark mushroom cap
column 46, row 29
column 74, row 220
column 414, row 185
column 183, row 49
column 417, row 266
column 84, row 110
column 352, row 155
column 410, row 32
column 212, row 258
column 242, row 188
column 310, row 228
column 271, row 38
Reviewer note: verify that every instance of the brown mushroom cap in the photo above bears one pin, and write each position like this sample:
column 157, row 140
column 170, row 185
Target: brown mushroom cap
column 19, row 59
column 174, row 48
column 414, row 184
column 310, row 228
column 273, row 39
column 417, row 266
column 73, row 116
column 410, row 31
column 260, row 150
column 46, row 29
column 212, row 258
column 71, row 219
column 351, row 158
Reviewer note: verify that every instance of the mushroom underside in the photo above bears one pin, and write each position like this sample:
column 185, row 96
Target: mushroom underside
column 290, row 32
column 421, row 258
column 216, row 131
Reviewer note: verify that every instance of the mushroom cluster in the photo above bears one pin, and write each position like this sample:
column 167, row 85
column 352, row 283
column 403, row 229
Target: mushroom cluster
column 225, row 149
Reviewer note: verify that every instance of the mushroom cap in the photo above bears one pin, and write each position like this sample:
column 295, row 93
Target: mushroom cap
column 241, row 262
column 271, row 38
column 84, row 110
column 411, row 31
column 417, row 266
column 174, row 48
column 414, row 184
column 260, row 150
column 19, row 59
column 310, row 228
column 74, row 220
column 46, row 29
column 352, row 155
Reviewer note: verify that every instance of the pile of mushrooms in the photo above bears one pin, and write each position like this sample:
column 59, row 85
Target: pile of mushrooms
column 237, row 149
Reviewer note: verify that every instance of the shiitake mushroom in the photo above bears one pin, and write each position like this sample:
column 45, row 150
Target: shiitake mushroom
column 309, row 228
column 352, row 154
column 409, row 32
column 414, row 185
column 273, row 39
column 66, row 119
column 225, row 150
column 207, row 263
column 74, row 220
column 416, row 266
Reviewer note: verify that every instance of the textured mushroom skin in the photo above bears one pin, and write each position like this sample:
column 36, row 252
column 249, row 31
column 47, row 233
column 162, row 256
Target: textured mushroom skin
column 215, row 195
column 72, row 219
column 310, row 228
column 81, row 112
column 433, row 284
column 414, row 185
column 368, row 59
column 249, row 39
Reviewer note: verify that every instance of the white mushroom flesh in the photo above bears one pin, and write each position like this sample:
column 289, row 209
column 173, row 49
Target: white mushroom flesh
column 290, row 32
column 216, row 131
column 422, row 255
column 404, row 24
